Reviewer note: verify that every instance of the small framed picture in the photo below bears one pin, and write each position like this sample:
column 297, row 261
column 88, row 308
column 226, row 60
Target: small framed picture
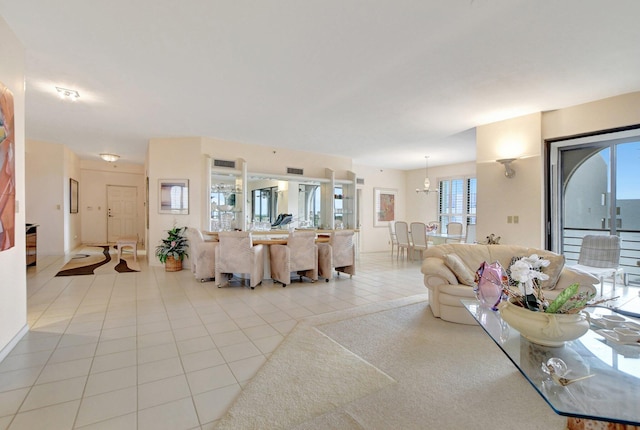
column 384, row 210
column 73, row 196
column 173, row 196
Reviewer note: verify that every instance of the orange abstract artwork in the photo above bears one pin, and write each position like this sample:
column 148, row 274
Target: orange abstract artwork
column 7, row 170
column 387, row 207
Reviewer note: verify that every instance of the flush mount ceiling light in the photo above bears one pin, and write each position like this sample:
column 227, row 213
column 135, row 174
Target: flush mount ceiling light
column 427, row 183
column 109, row 157
column 66, row 93
column 508, row 170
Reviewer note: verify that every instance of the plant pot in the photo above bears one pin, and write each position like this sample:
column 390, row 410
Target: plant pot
column 542, row 328
column 172, row 265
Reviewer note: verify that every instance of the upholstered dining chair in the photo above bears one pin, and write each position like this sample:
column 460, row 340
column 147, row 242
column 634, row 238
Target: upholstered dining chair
column 454, row 229
column 392, row 235
column 404, row 242
column 202, row 255
column 600, row 256
column 339, row 254
column 299, row 255
column 470, row 235
column 236, row 253
column 418, row 238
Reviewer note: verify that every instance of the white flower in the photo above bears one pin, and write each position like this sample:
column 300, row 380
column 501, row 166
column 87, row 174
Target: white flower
column 521, row 271
column 526, row 269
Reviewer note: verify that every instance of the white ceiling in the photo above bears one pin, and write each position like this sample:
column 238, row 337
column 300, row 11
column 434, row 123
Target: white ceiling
column 384, row 82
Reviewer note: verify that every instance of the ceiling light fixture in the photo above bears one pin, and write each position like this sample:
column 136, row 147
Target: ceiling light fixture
column 66, row 93
column 427, row 182
column 109, row 157
column 508, row 170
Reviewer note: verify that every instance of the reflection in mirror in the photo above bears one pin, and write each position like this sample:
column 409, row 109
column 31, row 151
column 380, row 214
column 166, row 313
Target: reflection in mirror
column 264, row 204
column 225, row 206
column 308, row 205
column 272, row 199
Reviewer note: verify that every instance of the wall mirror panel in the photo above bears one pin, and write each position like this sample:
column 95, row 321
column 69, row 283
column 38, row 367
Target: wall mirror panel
column 225, row 202
column 271, row 199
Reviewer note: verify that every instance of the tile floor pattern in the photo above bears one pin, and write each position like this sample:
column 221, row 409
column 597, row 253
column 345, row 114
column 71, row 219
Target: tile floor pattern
column 158, row 350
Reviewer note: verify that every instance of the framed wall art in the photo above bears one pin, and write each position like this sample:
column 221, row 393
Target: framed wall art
column 384, row 209
column 173, row 196
column 7, row 170
column 73, row 196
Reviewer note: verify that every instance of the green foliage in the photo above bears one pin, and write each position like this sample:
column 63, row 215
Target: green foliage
column 174, row 245
column 562, row 298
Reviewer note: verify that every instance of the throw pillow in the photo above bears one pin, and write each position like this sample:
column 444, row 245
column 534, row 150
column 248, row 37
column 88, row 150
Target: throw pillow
column 556, row 263
column 463, row 273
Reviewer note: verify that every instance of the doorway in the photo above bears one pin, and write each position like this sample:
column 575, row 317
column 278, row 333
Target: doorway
column 122, row 216
column 596, row 192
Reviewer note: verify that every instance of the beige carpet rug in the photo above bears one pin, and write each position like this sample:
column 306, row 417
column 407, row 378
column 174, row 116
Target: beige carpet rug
column 388, row 365
column 99, row 259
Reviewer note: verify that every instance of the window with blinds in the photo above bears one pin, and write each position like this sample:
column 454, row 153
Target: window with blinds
column 457, row 201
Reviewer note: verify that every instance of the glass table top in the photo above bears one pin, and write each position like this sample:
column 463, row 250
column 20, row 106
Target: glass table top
column 611, row 394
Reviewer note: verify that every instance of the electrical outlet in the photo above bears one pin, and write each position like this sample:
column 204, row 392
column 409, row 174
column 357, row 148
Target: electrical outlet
column 509, row 219
column 516, row 219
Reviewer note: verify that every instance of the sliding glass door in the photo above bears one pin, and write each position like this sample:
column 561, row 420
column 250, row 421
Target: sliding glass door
column 598, row 192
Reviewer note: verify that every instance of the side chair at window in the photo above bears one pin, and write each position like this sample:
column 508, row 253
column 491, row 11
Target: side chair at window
column 392, row 235
column 454, row 229
column 600, row 256
column 418, row 238
column 404, row 242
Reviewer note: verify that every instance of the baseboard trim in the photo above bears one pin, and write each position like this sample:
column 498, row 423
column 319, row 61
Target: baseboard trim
column 13, row 342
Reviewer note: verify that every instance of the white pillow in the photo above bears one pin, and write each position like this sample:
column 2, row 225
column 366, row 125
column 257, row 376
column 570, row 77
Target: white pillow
column 463, row 273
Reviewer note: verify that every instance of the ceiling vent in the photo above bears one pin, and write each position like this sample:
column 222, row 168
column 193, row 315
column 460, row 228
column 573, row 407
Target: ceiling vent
column 224, row 163
column 295, row 171
column 360, row 181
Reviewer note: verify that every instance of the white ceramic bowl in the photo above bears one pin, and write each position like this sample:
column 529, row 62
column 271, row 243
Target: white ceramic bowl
column 632, row 325
column 613, row 320
column 626, row 334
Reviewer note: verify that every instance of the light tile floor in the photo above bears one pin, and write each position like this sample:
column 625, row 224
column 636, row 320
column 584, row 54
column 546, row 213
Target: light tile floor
column 158, row 350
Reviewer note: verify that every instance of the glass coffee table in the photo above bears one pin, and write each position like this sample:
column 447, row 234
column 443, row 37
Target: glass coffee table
column 612, row 394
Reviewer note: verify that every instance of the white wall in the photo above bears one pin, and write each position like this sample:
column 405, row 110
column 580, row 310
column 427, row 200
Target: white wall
column 376, row 239
column 265, row 159
column 95, row 177
column 49, row 167
column 174, row 159
column 72, row 222
column 522, row 196
column 423, row 207
column 13, row 282
column 523, row 137
column 45, row 194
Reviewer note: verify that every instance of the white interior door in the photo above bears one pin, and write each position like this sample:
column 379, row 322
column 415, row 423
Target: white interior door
column 122, row 215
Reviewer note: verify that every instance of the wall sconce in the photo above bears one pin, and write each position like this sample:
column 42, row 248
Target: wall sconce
column 66, row 93
column 111, row 158
column 508, row 170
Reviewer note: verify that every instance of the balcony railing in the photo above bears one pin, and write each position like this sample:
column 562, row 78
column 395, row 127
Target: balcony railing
column 629, row 252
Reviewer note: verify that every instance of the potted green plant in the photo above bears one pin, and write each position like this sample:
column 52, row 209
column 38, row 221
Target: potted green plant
column 173, row 249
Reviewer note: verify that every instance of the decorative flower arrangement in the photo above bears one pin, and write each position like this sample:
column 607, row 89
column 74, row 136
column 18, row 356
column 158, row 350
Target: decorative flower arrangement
column 527, row 273
column 174, row 245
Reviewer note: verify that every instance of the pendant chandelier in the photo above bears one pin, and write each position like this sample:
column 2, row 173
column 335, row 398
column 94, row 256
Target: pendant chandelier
column 427, row 182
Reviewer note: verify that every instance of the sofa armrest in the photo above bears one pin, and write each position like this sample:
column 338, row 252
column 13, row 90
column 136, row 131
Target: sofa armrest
column 436, row 272
column 570, row 275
